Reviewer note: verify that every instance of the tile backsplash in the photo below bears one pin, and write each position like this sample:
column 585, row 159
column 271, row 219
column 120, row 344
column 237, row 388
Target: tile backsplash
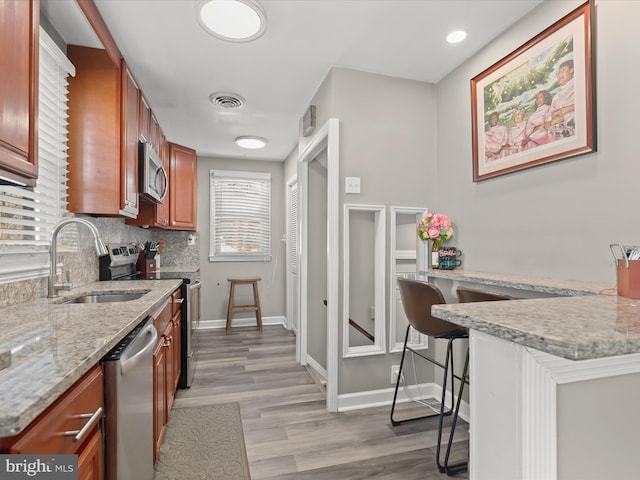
column 80, row 262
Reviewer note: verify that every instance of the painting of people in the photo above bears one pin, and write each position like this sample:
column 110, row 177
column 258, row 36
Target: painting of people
column 535, row 106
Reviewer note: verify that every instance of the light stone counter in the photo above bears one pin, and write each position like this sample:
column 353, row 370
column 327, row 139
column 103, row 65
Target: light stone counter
column 576, row 328
column 53, row 344
column 550, row 286
column 586, row 320
column 540, row 366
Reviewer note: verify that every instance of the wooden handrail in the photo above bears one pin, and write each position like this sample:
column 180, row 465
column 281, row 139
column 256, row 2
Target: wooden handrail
column 362, row 330
column 357, row 326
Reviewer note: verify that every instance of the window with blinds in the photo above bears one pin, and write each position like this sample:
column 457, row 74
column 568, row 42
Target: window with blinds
column 240, row 216
column 27, row 215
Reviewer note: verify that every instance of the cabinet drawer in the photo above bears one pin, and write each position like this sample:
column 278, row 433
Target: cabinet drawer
column 162, row 317
column 57, row 429
column 176, row 301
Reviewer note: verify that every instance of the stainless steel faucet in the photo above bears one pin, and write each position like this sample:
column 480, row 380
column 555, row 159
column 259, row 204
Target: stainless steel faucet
column 101, row 249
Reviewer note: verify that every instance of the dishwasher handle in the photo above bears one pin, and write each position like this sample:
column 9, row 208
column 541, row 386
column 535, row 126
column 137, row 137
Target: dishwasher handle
column 128, row 364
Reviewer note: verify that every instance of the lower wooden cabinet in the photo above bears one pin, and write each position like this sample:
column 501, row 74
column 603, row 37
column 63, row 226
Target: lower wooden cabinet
column 166, row 366
column 72, row 425
column 90, row 460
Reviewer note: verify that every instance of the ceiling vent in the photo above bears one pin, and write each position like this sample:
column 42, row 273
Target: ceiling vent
column 227, row 100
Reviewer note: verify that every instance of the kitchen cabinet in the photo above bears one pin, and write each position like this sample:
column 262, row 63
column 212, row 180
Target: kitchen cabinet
column 183, row 179
column 159, row 396
column 103, row 124
column 71, row 425
column 166, row 365
column 19, row 37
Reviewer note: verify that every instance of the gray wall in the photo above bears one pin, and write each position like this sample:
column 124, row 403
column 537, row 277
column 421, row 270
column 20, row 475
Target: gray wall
column 387, row 138
column 215, row 287
column 555, row 220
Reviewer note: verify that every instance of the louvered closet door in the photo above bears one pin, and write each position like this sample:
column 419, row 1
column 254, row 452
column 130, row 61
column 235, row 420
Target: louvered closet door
column 292, row 257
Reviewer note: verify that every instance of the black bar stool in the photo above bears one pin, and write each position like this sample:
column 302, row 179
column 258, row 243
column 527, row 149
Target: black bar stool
column 417, row 298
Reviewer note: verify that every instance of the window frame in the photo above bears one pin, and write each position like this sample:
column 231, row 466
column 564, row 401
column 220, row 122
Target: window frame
column 265, row 252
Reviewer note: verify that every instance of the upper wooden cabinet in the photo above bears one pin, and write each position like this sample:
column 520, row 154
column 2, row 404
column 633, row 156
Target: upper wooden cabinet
column 103, row 135
column 183, row 177
column 19, row 40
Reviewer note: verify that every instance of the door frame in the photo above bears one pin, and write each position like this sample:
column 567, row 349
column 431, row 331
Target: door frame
column 326, row 138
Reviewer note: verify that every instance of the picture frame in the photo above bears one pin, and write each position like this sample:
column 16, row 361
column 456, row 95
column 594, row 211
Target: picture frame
column 537, row 104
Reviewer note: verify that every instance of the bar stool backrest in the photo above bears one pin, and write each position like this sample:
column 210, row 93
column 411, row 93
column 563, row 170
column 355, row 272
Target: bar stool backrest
column 466, row 295
column 417, row 298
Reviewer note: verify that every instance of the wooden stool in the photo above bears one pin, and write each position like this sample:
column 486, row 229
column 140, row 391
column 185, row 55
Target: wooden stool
column 255, row 307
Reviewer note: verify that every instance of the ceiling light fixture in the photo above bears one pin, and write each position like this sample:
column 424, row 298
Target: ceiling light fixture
column 253, row 143
column 456, row 36
column 231, row 20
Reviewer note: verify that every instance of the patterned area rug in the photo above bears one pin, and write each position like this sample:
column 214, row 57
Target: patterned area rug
column 203, row 443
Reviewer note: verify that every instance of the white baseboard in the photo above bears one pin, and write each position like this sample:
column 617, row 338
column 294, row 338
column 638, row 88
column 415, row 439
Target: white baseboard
column 320, row 370
column 243, row 322
column 380, row 398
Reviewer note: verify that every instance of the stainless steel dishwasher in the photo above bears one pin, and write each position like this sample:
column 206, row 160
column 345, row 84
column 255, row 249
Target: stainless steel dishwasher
column 128, row 378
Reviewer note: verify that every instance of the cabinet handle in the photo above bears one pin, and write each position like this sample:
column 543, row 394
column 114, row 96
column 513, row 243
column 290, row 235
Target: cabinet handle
column 167, row 342
column 178, row 300
column 93, row 418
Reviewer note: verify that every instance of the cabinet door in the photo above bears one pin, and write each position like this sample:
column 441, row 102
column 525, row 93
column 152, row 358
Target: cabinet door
column 129, row 147
column 94, row 133
column 19, row 37
column 176, row 345
column 90, row 459
column 159, row 395
column 144, row 120
column 182, row 187
column 162, row 209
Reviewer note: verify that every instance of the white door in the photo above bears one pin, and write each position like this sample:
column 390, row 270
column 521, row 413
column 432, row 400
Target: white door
column 292, row 256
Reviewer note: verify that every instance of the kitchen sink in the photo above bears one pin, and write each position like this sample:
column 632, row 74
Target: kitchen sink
column 105, row 297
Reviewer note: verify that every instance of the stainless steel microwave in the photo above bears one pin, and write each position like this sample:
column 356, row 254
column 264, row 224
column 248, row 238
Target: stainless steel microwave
column 154, row 182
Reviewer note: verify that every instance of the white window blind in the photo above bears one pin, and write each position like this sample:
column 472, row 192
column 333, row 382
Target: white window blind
column 27, row 215
column 240, row 214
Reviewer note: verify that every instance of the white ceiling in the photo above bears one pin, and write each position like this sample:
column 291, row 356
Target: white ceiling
column 178, row 65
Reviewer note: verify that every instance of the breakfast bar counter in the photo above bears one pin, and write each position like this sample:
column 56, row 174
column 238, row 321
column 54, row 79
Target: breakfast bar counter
column 554, row 382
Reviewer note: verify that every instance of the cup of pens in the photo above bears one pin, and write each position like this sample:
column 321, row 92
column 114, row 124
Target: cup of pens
column 627, row 269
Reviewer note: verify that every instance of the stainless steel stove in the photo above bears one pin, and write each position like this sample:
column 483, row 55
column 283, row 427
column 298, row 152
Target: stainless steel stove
column 122, row 264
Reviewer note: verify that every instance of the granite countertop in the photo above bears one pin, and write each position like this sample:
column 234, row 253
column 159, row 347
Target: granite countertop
column 520, row 282
column 585, row 321
column 53, row 344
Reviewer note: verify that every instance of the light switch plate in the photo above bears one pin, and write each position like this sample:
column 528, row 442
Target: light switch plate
column 351, row 184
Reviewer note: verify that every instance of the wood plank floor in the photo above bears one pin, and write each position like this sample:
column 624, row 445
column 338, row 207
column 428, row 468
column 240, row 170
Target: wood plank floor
column 288, row 432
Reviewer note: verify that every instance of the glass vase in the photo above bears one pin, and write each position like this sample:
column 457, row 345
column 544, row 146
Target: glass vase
column 435, row 260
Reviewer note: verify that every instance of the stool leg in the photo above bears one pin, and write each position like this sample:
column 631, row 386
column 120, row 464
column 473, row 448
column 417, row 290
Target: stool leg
column 462, row 466
column 256, row 300
column 230, row 307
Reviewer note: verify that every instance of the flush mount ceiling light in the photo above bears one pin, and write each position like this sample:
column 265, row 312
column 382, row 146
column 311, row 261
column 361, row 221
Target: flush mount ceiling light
column 231, row 20
column 253, row 143
column 456, row 36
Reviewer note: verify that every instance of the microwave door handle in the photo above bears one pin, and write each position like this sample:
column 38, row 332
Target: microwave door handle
column 164, row 183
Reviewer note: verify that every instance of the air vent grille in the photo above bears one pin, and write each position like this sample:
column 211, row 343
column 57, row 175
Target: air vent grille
column 227, row 100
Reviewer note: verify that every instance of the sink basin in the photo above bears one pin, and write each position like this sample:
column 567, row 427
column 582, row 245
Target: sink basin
column 105, row 297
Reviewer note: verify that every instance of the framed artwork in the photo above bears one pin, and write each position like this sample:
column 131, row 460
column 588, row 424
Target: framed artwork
column 537, row 104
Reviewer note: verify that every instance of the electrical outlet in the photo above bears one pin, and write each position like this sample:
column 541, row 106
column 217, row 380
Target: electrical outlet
column 394, row 374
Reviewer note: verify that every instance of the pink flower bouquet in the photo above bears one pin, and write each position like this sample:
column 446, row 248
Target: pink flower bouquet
column 435, row 226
